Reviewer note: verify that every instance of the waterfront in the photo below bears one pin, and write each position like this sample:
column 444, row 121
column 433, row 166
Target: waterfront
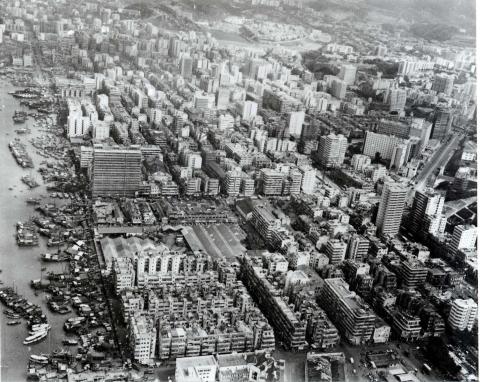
column 20, row 265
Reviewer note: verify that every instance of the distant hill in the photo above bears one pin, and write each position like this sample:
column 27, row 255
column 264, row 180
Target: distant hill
column 439, row 32
column 145, row 9
column 438, row 14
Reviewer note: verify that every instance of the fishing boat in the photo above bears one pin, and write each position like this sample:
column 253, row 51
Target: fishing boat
column 39, row 359
column 29, row 181
column 47, row 257
column 37, row 337
column 19, row 116
column 40, row 327
column 12, row 315
column 34, row 201
column 22, row 130
column 70, row 342
column 59, row 353
column 64, row 310
column 15, row 322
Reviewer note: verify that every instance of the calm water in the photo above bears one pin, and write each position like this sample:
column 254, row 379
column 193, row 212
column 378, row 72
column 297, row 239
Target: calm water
column 20, row 265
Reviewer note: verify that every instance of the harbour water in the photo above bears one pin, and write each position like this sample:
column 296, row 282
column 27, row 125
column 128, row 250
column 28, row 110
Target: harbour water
column 20, row 265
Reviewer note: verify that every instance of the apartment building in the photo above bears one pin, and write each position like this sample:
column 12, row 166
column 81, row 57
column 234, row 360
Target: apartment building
column 350, row 314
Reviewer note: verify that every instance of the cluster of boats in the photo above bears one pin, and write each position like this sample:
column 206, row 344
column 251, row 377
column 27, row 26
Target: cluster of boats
column 20, row 153
column 44, row 359
column 35, row 99
column 50, row 146
column 14, row 317
column 37, row 333
column 26, row 234
column 77, row 289
column 19, row 307
column 28, row 93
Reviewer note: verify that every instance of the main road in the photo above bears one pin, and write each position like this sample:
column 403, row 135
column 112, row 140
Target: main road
column 439, row 158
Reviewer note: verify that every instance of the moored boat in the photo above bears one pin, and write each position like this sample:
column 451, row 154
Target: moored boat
column 37, row 337
column 70, row 342
column 39, row 359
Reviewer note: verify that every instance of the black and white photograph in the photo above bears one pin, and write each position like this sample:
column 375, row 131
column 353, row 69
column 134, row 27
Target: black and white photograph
column 238, row 191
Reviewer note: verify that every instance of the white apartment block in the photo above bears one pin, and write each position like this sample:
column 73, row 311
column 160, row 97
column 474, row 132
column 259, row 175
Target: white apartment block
column 463, row 314
column 464, row 237
column 390, row 210
column 143, row 334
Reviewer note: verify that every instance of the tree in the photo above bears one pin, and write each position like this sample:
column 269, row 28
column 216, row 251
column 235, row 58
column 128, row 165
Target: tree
column 377, row 158
column 437, row 353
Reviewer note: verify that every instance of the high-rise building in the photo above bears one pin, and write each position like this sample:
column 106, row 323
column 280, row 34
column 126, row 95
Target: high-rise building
column 143, row 335
column 339, row 88
column 358, row 247
column 116, row 172
column 461, row 180
column 443, row 83
column 280, row 101
column 400, row 129
column 425, row 204
column 231, row 182
column 295, row 122
column 380, row 51
column 382, row 144
column 186, row 65
column 348, row 74
column 222, row 97
column 463, row 314
column 249, row 110
column 265, row 222
column 412, row 273
column 348, row 312
column 397, row 99
column 399, row 157
column 331, row 150
column 464, row 237
column 422, row 129
column 288, row 325
column 292, row 184
column 360, row 161
column 390, row 210
column 442, row 122
column 309, row 179
column 101, row 130
column 335, row 250
column 271, row 182
column 204, row 101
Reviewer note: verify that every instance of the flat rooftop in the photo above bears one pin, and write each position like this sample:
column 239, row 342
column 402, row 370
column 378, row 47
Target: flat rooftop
column 206, row 360
column 340, row 287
